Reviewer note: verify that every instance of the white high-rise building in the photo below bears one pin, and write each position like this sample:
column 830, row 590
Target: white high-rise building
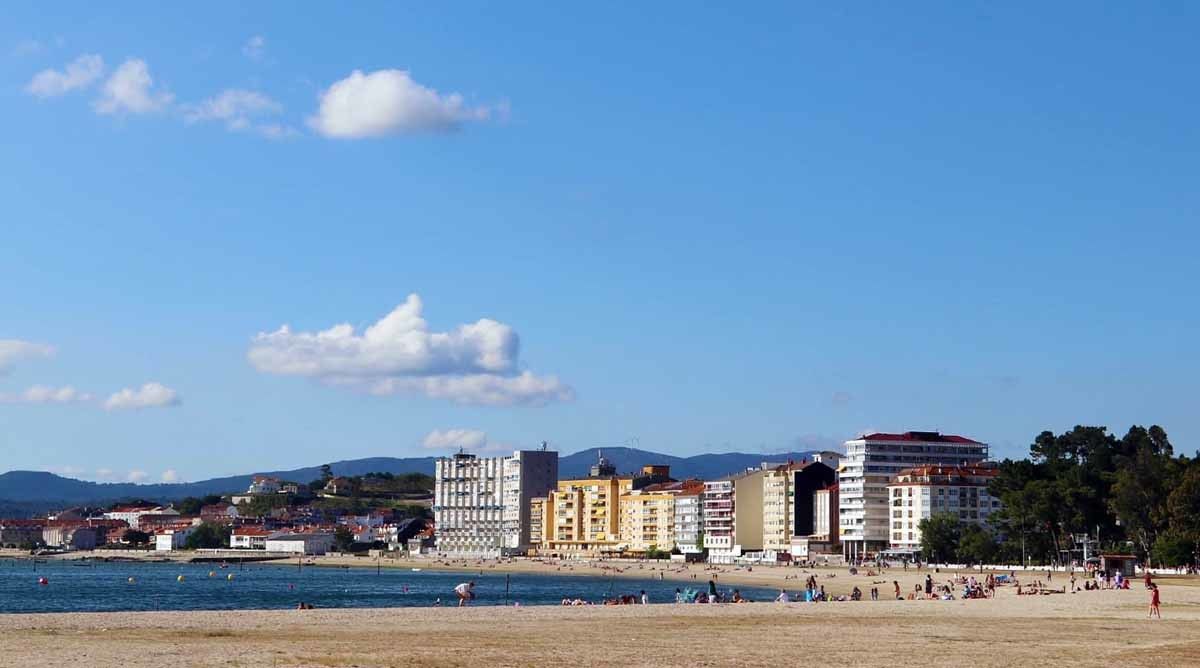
column 871, row 463
column 481, row 504
column 718, row 517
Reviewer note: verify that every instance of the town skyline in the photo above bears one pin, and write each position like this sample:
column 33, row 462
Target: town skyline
column 254, row 239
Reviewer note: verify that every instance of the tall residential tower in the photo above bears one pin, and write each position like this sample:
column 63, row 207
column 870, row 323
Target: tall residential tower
column 871, row 463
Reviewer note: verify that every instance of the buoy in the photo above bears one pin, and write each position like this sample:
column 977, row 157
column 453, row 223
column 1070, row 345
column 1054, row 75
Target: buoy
column 179, row 579
column 229, row 577
column 43, row 581
column 132, row 580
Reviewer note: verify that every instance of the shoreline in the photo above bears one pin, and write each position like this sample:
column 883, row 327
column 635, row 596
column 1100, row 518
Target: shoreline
column 1106, row 629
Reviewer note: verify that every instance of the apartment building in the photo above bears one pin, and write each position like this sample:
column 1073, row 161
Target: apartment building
column 718, row 519
column 921, row 492
column 481, row 504
column 871, row 463
column 788, row 503
column 583, row 516
column 648, row 519
column 689, row 519
column 649, row 514
column 733, row 516
column 467, row 510
column 528, row 475
column 537, row 522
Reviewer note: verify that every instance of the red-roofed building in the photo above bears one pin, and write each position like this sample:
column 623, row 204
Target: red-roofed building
column 924, row 491
column 219, row 513
column 871, row 463
column 21, row 533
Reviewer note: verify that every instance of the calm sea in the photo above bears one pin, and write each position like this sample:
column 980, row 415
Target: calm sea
column 98, row 586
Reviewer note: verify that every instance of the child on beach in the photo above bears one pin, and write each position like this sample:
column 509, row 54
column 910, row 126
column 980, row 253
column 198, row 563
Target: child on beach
column 1154, row 603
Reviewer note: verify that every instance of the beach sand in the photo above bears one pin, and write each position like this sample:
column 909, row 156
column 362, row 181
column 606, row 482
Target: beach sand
column 1102, row 628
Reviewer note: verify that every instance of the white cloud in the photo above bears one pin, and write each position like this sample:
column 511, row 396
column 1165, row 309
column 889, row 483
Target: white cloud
column 150, row 395
column 77, row 75
column 41, row 394
column 253, row 48
column 105, row 474
column 388, row 102
column 170, row 475
column 12, row 350
column 443, row 439
column 130, row 89
column 237, row 109
column 473, row 364
column 136, row 476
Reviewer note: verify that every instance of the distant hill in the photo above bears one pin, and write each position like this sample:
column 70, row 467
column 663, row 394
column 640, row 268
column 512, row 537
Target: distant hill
column 705, row 467
column 39, row 486
column 22, row 492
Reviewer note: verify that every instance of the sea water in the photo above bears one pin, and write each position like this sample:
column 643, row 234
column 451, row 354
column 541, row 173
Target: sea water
column 94, row 586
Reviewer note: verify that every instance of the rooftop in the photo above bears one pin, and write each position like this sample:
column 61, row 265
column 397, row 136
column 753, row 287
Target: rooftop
column 918, row 437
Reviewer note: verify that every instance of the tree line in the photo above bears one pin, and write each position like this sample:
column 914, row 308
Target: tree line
column 1131, row 494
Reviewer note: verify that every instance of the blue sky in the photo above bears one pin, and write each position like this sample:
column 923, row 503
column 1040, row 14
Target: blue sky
column 708, row 229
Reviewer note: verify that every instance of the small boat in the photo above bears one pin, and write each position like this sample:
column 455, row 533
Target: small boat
column 416, row 570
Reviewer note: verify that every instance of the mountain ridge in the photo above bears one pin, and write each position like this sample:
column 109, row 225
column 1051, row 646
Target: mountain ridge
column 39, row 488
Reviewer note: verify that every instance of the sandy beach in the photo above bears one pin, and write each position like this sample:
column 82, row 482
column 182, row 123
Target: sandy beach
column 1087, row 628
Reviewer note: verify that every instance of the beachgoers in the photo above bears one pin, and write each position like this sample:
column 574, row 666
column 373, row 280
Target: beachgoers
column 783, row 596
column 465, row 592
column 1154, row 602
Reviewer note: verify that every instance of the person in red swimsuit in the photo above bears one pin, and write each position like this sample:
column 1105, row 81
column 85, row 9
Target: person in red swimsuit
column 1154, row 602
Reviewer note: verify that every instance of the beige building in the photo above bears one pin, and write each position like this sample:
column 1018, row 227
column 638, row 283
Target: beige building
column 537, row 522
column 649, row 515
column 777, row 509
column 583, row 516
column 648, row 520
column 792, row 498
column 733, row 516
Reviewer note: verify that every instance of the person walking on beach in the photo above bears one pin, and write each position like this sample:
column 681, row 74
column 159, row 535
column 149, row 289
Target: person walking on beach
column 1154, row 603
column 645, row 598
column 712, row 591
column 928, row 585
column 465, row 592
column 896, row 584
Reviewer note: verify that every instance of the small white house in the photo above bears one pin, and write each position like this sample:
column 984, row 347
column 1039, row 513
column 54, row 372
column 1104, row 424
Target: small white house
column 263, row 484
column 300, row 543
column 249, row 538
column 171, row 539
